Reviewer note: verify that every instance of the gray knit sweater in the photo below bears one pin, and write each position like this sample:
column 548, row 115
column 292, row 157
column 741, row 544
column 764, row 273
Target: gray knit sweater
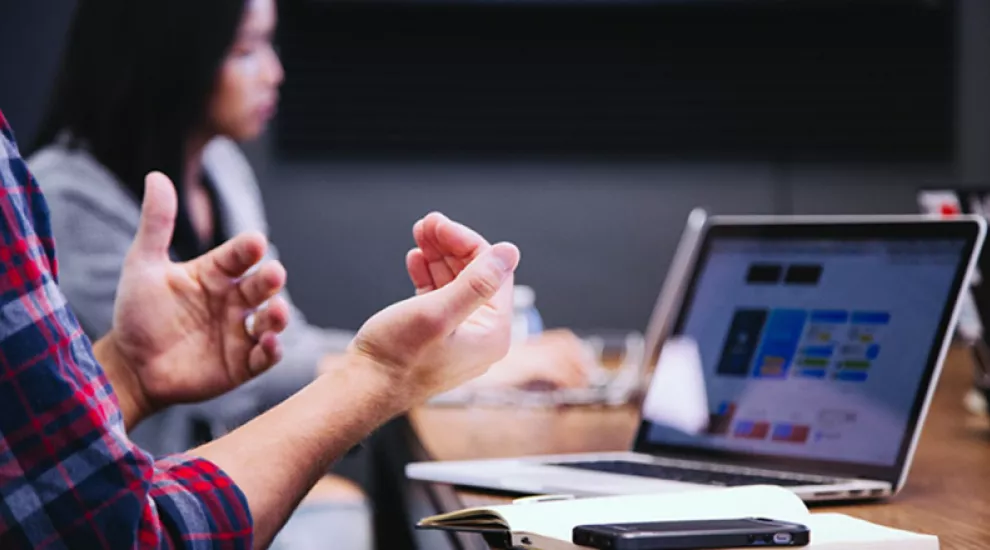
column 94, row 220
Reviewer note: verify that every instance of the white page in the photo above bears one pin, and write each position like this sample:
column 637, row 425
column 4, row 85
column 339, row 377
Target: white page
column 557, row 519
column 828, row 532
column 839, row 531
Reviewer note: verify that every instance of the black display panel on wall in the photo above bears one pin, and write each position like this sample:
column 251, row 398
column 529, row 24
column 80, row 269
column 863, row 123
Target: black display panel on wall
column 787, row 80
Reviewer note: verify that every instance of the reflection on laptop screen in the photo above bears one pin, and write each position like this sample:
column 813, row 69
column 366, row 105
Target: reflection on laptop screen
column 815, row 349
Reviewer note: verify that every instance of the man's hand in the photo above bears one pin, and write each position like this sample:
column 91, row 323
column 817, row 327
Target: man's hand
column 557, row 358
column 179, row 331
column 457, row 325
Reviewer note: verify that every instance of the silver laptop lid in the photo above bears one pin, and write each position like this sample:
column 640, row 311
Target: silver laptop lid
column 665, row 311
column 821, row 338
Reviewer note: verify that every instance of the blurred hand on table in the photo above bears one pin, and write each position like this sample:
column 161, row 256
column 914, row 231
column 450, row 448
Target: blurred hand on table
column 556, row 359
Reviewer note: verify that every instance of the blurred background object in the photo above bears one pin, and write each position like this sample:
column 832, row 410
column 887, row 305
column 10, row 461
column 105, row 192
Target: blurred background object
column 974, row 314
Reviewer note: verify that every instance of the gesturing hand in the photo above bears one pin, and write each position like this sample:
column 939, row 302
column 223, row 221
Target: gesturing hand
column 444, row 249
column 178, row 328
column 459, row 322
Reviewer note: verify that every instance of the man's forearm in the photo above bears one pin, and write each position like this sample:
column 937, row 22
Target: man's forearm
column 276, row 458
column 125, row 384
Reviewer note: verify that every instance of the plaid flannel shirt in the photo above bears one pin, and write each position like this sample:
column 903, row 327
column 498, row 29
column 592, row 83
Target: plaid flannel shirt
column 69, row 476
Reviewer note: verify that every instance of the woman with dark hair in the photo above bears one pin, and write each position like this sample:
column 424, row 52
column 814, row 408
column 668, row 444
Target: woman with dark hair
column 172, row 86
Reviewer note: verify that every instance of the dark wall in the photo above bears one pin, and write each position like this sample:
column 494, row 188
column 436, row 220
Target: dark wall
column 596, row 238
column 587, row 133
column 809, row 80
column 596, row 233
column 31, row 38
column 973, row 91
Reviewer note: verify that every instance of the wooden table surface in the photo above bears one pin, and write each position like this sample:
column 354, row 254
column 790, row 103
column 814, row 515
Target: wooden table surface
column 947, row 493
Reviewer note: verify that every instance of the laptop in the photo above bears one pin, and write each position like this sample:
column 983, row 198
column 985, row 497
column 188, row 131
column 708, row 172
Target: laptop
column 820, row 342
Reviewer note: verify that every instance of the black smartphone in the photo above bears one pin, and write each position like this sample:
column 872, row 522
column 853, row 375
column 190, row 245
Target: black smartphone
column 692, row 535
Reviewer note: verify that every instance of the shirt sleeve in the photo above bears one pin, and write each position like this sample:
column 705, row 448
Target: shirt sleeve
column 69, row 476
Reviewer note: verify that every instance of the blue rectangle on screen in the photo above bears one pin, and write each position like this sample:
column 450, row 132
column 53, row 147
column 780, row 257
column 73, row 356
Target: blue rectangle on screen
column 782, row 431
column 873, row 351
column 744, row 427
column 780, row 341
column 741, row 341
column 812, row 373
column 823, row 352
column 870, row 317
column 829, row 316
column 851, row 376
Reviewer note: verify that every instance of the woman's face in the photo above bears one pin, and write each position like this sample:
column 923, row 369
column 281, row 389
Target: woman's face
column 247, row 89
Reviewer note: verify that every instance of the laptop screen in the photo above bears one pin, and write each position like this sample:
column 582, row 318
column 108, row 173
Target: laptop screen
column 816, row 348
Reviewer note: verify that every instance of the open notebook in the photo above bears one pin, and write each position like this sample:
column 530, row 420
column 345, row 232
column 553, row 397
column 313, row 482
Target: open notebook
column 547, row 525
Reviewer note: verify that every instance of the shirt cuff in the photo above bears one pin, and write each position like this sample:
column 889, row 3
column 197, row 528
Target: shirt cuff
column 202, row 503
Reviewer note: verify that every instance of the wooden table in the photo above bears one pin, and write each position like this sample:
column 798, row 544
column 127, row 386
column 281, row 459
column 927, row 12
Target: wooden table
column 947, row 493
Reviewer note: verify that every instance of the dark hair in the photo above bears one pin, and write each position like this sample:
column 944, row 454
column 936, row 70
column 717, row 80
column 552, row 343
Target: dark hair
column 135, row 83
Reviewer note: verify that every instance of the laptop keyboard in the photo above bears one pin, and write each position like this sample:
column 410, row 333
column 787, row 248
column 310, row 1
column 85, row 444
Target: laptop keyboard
column 674, row 473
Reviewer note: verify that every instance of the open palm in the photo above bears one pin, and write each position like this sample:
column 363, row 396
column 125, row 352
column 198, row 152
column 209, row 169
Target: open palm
column 459, row 322
column 181, row 325
column 444, row 249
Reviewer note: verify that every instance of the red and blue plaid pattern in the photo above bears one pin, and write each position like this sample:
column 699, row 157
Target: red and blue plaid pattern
column 69, row 476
